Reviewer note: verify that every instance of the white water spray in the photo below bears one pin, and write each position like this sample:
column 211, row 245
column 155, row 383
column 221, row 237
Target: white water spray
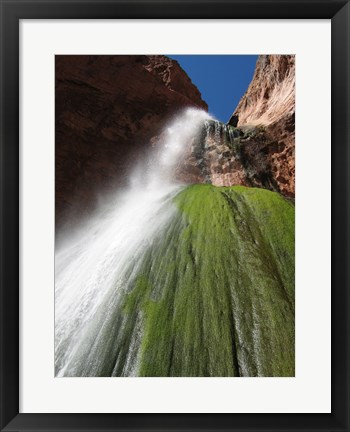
column 95, row 267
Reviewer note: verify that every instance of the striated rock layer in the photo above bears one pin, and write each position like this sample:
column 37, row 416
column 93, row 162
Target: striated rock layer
column 271, row 94
column 269, row 102
column 107, row 110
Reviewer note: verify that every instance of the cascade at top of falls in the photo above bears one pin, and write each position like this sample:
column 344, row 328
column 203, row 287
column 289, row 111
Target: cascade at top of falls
column 191, row 149
column 221, row 132
column 181, row 132
column 172, row 146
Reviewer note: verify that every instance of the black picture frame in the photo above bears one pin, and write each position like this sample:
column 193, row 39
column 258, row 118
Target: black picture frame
column 12, row 11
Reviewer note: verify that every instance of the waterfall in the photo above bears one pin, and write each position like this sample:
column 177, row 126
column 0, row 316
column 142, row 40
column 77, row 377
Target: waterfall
column 97, row 265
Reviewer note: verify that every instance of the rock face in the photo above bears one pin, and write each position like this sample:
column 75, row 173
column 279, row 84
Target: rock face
column 107, row 110
column 270, row 102
column 271, row 94
column 225, row 156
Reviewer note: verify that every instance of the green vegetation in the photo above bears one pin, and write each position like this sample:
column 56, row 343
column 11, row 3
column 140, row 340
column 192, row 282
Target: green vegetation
column 216, row 290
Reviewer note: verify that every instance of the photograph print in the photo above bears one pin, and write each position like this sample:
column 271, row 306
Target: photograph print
column 175, row 215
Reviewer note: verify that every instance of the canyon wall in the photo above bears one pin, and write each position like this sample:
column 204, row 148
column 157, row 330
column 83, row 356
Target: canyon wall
column 270, row 96
column 269, row 103
column 107, row 110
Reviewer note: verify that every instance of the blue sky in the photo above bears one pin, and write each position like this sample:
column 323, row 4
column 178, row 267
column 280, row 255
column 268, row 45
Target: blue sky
column 222, row 79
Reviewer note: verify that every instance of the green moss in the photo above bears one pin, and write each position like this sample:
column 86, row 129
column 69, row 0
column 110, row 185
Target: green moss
column 216, row 290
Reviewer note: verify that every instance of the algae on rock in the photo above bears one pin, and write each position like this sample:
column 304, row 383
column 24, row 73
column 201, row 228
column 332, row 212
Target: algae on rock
column 216, row 289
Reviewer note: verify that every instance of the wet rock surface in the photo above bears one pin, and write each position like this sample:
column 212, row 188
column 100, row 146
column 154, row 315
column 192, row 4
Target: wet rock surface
column 224, row 156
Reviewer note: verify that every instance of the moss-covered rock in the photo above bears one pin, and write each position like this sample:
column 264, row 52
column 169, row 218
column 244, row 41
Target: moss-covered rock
column 215, row 292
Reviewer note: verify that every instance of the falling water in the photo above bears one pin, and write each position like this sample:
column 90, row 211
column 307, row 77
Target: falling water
column 96, row 266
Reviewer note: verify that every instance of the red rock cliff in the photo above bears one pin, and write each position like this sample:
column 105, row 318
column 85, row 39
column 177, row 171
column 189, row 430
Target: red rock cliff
column 271, row 94
column 270, row 102
column 107, row 110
